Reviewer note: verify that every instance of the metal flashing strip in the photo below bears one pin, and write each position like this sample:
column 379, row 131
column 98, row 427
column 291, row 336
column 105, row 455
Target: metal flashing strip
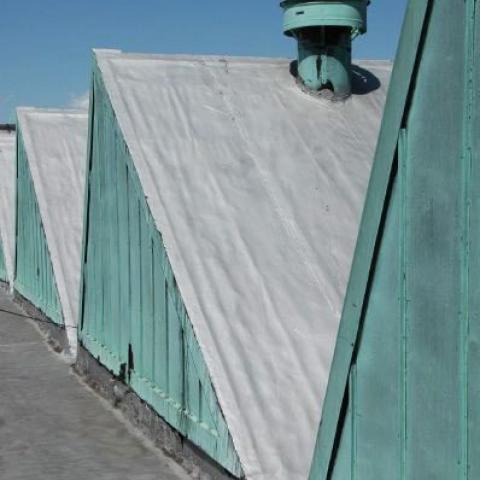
column 466, row 244
column 402, row 173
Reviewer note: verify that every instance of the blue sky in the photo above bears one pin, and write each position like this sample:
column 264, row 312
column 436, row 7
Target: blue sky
column 45, row 44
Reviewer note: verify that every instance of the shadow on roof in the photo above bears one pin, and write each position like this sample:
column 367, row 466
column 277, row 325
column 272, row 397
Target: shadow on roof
column 363, row 81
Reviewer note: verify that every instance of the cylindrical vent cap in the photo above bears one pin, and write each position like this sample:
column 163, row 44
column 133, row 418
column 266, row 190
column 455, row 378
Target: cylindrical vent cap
column 324, row 30
column 350, row 14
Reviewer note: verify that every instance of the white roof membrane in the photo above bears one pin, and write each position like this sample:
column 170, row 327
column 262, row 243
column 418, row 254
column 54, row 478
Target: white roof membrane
column 257, row 188
column 56, row 147
column 7, row 199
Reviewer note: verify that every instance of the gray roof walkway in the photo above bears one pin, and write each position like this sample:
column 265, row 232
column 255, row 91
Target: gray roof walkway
column 54, row 428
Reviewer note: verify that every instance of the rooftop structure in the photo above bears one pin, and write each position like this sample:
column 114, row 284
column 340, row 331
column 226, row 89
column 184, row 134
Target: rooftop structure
column 233, row 201
column 52, row 148
column 402, row 400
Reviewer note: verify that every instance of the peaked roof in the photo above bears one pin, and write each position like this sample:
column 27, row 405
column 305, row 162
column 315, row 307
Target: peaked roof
column 7, row 199
column 257, row 189
column 56, row 146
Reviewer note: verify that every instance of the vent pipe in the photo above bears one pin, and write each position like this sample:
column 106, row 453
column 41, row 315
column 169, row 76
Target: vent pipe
column 324, row 30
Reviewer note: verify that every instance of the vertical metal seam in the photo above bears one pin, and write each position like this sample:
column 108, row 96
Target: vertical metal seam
column 17, row 225
column 466, row 232
column 128, row 259
column 86, row 210
column 154, row 311
column 167, row 337
column 402, row 169
column 117, row 236
column 353, row 413
column 139, row 362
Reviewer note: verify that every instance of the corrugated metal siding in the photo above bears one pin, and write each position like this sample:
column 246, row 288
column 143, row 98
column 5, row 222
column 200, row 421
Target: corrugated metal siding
column 34, row 273
column 133, row 318
column 412, row 402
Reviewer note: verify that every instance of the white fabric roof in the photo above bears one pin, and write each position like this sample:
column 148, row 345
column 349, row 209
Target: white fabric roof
column 56, row 146
column 258, row 190
column 7, row 199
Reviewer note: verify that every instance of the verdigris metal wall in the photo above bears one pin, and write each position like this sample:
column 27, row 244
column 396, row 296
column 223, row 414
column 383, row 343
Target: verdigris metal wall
column 34, row 277
column 133, row 318
column 410, row 331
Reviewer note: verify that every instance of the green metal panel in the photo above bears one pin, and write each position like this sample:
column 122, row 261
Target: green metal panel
column 367, row 240
column 133, row 318
column 472, row 138
column 436, row 263
column 34, row 278
column 373, row 447
column 412, row 393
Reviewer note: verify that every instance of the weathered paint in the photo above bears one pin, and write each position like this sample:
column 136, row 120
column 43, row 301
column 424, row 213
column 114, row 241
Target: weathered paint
column 324, row 31
column 407, row 353
column 34, row 277
column 133, row 318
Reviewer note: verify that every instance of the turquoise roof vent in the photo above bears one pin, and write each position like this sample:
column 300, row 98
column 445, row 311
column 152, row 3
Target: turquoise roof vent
column 324, row 31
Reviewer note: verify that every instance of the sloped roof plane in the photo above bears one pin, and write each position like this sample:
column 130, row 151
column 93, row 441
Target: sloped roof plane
column 56, row 146
column 257, row 189
column 7, row 200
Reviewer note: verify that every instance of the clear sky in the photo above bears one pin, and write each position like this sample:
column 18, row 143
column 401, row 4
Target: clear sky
column 45, row 44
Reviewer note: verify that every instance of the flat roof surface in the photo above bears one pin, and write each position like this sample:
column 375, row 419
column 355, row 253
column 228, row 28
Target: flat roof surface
column 56, row 147
column 51, row 414
column 257, row 189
